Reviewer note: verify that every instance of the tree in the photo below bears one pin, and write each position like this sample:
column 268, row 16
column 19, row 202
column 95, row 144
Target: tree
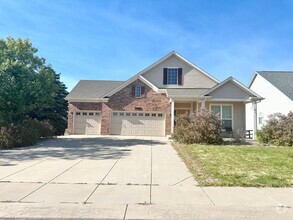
column 29, row 88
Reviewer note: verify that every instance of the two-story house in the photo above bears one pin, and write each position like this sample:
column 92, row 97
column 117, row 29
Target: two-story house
column 148, row 102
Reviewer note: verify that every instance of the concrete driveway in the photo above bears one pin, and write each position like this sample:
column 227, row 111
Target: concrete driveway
column 124, row 178
column 100, row 170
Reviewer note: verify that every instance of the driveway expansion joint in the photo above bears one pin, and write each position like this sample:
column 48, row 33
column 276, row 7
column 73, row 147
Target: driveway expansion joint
column 106, row 174
column 52, row 179
column 23, row 169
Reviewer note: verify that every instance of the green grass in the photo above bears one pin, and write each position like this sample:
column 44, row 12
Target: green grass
column 255, row 166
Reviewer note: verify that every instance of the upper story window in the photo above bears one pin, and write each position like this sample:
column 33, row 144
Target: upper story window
column 172, row 76
column 137, row 91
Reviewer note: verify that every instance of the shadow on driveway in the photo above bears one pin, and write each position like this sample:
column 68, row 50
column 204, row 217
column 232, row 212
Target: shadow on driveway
column 74, row 148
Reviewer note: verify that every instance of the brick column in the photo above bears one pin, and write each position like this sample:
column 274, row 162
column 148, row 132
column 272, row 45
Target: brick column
column 105, row 120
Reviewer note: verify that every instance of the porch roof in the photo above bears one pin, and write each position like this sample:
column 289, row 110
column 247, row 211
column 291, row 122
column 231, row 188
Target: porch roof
column 188, row 93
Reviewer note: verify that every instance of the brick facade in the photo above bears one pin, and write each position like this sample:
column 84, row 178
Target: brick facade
column 124, row 101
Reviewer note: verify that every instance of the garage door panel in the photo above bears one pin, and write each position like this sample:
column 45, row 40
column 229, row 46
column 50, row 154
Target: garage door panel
column 133, row 123
column 87, row 123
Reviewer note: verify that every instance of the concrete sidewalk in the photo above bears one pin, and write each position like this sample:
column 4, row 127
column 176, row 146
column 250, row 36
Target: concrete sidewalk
column 108, row 177
column 135, row 211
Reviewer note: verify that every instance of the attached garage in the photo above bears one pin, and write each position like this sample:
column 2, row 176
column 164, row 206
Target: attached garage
column 138, row 123
column 87, row 122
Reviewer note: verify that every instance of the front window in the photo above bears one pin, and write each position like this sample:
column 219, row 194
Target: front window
column 137, row 91
column 172, row 76
column 225, row 114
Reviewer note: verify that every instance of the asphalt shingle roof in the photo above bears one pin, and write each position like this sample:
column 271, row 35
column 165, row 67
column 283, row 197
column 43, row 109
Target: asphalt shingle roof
column 282, row 80
column 92, row 89
column 186, row 92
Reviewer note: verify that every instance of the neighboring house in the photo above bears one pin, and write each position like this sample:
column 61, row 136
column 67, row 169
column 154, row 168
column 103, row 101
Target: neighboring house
column 148, row 102
column 277, row 89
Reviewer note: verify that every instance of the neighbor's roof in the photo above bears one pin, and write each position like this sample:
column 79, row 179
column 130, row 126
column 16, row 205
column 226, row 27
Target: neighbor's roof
column 282, row 80
column 92, row 89
column 186, row 92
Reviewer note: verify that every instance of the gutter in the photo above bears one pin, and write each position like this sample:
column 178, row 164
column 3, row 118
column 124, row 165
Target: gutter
column 88, row 100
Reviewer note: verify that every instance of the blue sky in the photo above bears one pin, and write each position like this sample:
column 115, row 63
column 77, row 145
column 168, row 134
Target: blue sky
column 116, row 39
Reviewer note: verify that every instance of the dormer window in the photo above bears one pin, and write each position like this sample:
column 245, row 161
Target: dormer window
column 172, row 76
column 137, row 91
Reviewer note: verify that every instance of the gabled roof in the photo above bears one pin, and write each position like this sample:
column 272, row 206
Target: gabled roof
column 183, row 92
column 237, row 83
column 92, row 89
column 282, row 80
column 174, row 53
column 131, row 80
column 140, row 74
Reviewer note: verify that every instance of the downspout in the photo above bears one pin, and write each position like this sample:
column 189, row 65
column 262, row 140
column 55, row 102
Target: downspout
column 172, row 115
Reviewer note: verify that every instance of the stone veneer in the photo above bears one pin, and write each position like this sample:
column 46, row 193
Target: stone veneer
column 124, row 101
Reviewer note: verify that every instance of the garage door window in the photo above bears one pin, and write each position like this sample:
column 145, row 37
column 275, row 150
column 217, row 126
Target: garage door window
column 77, row 113
column 84, row 113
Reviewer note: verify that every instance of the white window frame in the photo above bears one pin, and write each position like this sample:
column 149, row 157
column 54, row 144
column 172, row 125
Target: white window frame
column 221, row 112
column 168, row 76
column 136, row 94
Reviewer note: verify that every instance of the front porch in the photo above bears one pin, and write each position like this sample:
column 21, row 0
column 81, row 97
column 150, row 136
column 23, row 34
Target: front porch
column 231, row 113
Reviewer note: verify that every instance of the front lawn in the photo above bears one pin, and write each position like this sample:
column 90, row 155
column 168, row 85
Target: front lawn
column 239, row 165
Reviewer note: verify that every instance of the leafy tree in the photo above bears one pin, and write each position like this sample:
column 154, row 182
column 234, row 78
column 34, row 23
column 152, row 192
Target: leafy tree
column 29, row 88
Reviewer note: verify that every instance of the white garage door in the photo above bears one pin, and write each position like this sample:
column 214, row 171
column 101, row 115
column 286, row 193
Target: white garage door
column 138, row 123
column 87, row 122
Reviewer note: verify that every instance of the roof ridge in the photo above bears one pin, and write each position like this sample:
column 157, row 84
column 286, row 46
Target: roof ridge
column 275, row 71
column 102, row 80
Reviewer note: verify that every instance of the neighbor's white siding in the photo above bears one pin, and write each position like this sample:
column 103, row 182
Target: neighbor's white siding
column 191, row 78
column 275, row 101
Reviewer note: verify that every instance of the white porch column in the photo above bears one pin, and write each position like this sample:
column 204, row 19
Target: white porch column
column 172, row 115
column 254, row 104
column 191, row 107
column 203, row 103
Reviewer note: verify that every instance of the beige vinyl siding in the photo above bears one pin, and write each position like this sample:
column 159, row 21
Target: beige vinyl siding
column 191, row 78
column 238, row 111
column 182, row 105
column 229, row 91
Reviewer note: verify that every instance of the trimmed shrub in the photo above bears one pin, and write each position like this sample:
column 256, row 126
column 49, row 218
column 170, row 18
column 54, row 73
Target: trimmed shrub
column 200, row 127
column 278, row 130
column 25, row 134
